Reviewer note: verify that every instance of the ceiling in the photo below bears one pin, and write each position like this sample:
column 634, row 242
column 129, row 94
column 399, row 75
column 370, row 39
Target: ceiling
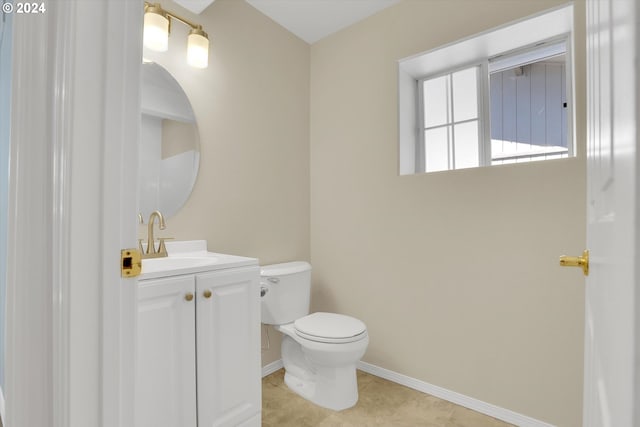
column 311, row 20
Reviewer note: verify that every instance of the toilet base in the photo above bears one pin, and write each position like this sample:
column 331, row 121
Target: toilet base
column 336, row 393
column 308, row 373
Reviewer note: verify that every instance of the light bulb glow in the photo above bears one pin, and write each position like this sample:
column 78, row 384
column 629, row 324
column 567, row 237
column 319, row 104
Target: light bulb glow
column 156, row 31
column 198, row 49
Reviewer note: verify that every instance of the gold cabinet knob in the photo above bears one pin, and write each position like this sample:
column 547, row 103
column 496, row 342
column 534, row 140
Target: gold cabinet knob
column 188, row 296
column 577, row 261
column 207, row 293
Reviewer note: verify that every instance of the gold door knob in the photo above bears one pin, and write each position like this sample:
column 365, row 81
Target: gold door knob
column 577, row 261
column 207, row 293
column 188, row 296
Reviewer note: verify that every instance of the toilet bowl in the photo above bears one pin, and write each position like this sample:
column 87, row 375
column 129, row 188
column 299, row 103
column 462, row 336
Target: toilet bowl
column 319, row 350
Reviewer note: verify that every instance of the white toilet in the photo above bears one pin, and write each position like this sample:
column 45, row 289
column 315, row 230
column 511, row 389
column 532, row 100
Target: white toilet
column 319, row 350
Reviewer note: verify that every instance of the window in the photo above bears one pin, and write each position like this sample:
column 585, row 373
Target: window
column 526, row 111
column 501, row 97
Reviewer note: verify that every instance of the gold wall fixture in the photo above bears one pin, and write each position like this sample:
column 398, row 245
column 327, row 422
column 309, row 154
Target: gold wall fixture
column 157, row 26
column 577, row 261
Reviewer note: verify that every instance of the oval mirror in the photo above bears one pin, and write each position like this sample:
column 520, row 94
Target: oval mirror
column 169, row 144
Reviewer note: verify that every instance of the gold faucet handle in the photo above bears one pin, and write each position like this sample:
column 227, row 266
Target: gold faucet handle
column 162, row 250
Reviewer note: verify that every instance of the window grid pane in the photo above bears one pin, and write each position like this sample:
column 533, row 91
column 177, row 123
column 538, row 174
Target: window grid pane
column 467, row 153
column 465, row 94
column 437, row 149
column 436, row 101
column 451, row 121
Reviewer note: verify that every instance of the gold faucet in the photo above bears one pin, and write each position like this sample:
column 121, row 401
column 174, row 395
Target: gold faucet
column 151, row 245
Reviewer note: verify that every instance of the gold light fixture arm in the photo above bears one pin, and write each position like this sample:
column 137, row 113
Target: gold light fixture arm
column 155, row 7
column 157, row 28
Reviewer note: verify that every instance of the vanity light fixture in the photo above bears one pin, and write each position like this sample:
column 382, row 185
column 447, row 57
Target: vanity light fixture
column 157, row 26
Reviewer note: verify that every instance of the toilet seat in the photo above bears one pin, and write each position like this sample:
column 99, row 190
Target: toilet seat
column 330, row 328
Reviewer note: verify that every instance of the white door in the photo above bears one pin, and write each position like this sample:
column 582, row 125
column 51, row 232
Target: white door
column 228, row 334
column 166, row 368
column 611, row 387
column 75, row 117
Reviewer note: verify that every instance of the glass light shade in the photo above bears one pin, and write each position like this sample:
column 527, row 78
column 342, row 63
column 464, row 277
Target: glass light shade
column 198, row 49
column 156, row 31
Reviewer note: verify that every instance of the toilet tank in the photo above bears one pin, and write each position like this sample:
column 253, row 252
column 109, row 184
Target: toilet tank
column 287, row 289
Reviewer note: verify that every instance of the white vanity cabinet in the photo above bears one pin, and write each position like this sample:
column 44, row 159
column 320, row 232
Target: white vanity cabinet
column 199, row 349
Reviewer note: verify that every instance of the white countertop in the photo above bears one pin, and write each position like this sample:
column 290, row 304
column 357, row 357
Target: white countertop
column 189, row 257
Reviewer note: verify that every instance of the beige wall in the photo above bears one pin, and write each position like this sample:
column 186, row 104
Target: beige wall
column 455, row 274
column 252, row 107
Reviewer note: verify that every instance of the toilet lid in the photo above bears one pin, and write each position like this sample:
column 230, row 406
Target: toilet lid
column 330, row 327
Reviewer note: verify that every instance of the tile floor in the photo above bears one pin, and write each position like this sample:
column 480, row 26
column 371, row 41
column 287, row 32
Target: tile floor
column 381, row 403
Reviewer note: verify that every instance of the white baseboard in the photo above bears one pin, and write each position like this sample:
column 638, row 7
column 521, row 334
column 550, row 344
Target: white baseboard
column 453, row 397
column 272, row 367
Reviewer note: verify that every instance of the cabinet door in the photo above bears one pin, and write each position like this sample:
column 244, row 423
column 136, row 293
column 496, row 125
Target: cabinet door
column 166, row 370
column 228, row 331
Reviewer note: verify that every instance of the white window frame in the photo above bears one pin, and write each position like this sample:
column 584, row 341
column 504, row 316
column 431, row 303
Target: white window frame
column 553, row 24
